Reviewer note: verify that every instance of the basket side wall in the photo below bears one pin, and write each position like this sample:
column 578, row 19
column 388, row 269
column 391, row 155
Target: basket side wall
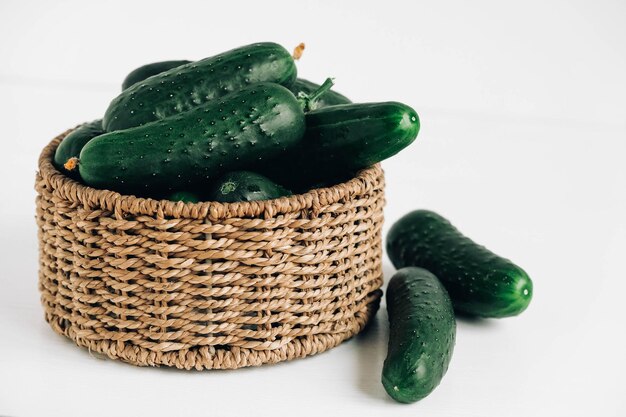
column 201, row 293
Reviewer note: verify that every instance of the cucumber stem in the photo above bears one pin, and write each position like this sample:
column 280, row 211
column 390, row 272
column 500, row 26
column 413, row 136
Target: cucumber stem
column 71, row 164
column 308, row 100
column 297, row 51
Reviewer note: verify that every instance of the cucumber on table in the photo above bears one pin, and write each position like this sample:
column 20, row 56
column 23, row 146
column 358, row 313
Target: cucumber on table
column 148, row 70
column 245, row 186
column 344, row 138
column 193, row 148
column 479, row 282
column 422, row 331
column 72, row 144
column 191, row 85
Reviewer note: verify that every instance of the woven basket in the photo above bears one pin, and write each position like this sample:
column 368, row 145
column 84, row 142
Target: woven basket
column 208, row 285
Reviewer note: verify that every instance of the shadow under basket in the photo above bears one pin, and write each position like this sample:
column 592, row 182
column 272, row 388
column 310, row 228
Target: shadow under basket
column 208, row 285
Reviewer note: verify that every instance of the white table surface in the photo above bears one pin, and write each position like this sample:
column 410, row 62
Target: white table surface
column 523, row 147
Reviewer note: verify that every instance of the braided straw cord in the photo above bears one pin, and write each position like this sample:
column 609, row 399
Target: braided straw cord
column 208, row 285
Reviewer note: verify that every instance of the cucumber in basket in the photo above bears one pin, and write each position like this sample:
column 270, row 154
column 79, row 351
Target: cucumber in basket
column 73, row 143
column 183, row 88
column 344, row 138
column 479, row 282
column 193, row 148
column 234, row 187
column 329, row 98
column 148, row 70
column 184, row 196
column 245, row 186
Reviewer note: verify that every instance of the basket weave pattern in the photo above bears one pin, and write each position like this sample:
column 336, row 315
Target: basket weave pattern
column 208, row 285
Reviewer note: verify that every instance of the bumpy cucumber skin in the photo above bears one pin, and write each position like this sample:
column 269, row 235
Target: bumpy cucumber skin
column 345, row 138
column 148, row 70
column 72, row 144
column 479, row 282
column 190, row 150
column 245, row 186
column 329, row 98
column 356, row 136
column 421, row 336
column 191, row 85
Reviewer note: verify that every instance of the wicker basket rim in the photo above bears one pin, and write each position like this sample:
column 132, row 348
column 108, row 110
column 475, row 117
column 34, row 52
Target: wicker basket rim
column 313, row 200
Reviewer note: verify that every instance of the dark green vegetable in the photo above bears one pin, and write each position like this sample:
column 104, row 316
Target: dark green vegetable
column 72, row 144
column 183, row 88
column 184, row 196
column 479, row 282
column 245, row 186
column 260, row 121
column 329, row 98
column 148, row 70
column 422, row 331
column 344, row 138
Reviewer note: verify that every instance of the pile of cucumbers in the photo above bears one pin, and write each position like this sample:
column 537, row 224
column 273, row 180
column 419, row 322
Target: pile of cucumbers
column 441, row 272
column 238, row 126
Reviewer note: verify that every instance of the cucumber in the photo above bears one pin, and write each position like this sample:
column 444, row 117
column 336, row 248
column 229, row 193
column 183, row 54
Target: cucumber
column 344, row 138
column 148, row 70
column 72, row 144
column 191, row 85
column 329, row 98
column 189, row 150
column 245, row 186
column 184, row 196
column 422, row 331
column 479, row 282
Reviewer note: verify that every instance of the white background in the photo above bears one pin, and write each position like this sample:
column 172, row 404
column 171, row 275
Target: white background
column 522, row 146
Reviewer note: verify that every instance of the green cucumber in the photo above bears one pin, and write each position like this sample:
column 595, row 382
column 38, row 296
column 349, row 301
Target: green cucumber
column 186, row 87
column 422, row 331
column 184, row 196
column 245, row 186
column 148, row 70
column 329, row 98
column 344, row 138
column 479, row 282
column 193, row 148
column 72, row 144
